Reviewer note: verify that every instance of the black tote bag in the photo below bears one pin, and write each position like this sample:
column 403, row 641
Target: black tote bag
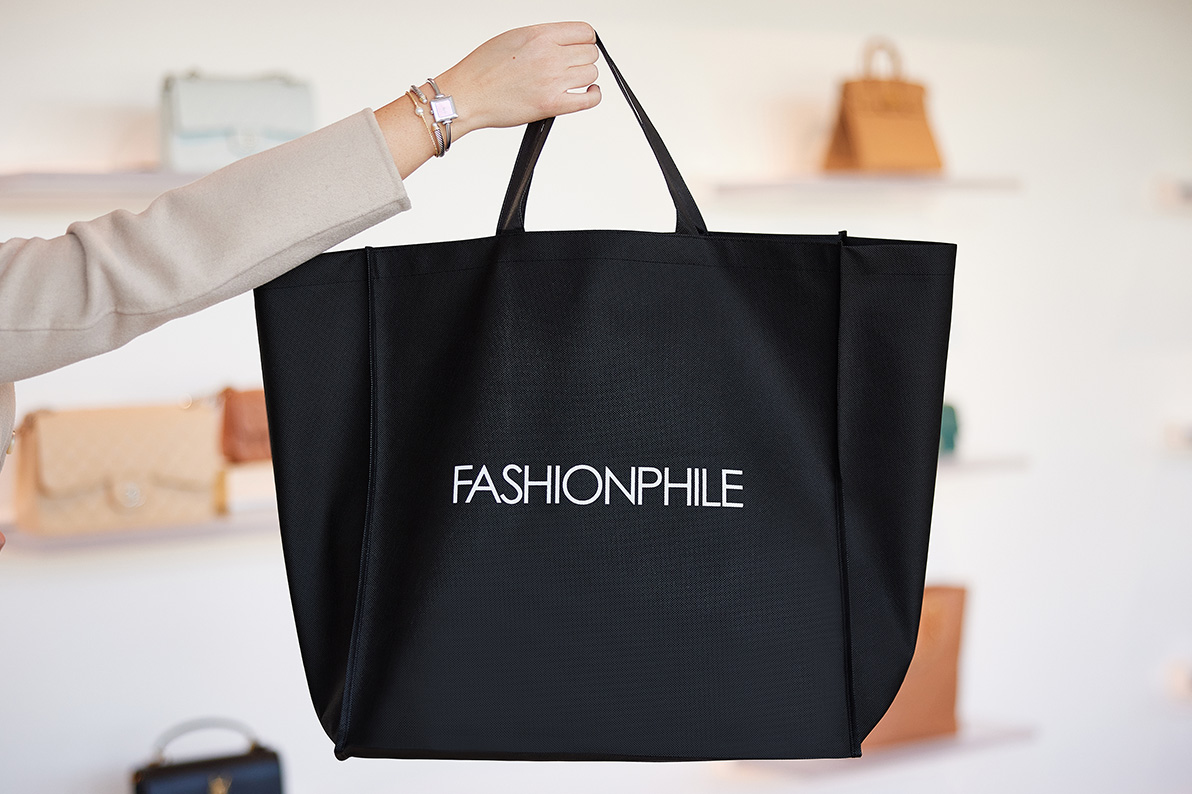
column 607, row 494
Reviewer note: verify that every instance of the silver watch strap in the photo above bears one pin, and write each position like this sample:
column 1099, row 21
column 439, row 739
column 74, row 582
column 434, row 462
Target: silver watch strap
column 447, row 122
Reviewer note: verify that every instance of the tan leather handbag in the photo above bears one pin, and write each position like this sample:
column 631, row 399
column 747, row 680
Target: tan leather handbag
column 926, row 704
column 882, row 123
column 245, row 426
column 89, row 471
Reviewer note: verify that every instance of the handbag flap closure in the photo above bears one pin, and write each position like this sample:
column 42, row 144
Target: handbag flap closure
column 272, row 106
column 126, row 448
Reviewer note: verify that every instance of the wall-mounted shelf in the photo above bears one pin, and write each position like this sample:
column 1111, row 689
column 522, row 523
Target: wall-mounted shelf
column 969, row 738
column 249, row 521
column 960, row 464
column 62, row 189
column 817, row 184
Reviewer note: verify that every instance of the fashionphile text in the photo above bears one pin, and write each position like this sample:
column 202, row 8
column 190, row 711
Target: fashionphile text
column 585, row 485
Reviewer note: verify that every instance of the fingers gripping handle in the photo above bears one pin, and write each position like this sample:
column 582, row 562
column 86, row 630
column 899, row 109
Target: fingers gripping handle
column 688, row 219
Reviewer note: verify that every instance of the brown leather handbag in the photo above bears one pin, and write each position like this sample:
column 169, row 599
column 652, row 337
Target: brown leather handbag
column 925, row 706
column 882, row 123
column 245, row 426
column 88, row 471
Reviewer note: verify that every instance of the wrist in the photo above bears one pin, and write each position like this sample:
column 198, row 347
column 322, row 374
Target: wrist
column 465, row 106
column 435, row 104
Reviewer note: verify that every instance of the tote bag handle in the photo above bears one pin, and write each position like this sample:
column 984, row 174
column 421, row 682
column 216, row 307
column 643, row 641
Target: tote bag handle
column 513, row 211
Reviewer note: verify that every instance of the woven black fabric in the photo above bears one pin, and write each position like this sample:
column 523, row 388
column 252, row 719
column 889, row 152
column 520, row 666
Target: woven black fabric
column 467, row 436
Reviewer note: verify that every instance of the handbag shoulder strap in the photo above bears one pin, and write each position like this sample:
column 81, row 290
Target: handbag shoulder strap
column 513, row 211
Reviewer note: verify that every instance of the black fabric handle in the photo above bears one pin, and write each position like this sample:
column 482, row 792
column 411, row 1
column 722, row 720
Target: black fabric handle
column 513, row 211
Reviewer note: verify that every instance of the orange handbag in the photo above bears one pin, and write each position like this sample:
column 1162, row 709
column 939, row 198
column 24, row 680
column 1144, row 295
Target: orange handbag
column 881, row 124
column 926, row 704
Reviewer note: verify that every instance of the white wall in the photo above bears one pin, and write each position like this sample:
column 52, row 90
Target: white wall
column 1072, row 348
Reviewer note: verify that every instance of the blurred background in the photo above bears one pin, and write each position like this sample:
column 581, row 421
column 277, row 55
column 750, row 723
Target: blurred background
column 1066, row 134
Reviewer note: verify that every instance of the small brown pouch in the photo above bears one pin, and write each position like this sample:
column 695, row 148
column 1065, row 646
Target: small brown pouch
column 245, row 426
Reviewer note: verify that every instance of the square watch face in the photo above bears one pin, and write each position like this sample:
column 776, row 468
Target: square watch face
column 443, row 109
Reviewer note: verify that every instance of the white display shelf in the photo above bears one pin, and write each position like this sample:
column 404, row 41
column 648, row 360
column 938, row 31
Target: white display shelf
column 248, row 521
column 249, row 489
column 970, row 738
column 67, row 188
column 809, row 185
column 63, row 189
column 961, row 464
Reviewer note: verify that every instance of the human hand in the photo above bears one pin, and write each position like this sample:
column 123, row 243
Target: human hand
column 524, row 75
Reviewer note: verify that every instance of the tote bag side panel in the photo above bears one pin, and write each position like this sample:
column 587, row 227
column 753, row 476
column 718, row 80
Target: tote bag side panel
column 896, row 305
column 313, row 329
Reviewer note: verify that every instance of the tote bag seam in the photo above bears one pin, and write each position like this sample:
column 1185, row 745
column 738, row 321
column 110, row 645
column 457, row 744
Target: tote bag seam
column 686, row 263
column 900, row 274
column 523, row 261
column 841, row 540
column 388, row 276
column 370, row 500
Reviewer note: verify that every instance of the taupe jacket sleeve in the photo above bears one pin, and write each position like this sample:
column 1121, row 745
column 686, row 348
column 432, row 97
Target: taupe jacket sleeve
column 108, row 280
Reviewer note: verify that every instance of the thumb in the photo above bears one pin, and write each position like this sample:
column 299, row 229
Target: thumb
column 573, row 102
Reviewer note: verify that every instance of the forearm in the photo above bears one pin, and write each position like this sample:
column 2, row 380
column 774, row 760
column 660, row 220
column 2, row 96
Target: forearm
column 410, row 141
column 106, row 281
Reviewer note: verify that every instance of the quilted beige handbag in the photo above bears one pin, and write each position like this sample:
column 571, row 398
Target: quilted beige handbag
column 88, row 471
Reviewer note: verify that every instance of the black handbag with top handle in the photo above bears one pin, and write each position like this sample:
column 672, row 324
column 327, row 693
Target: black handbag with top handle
column 257, row 770
column 607, row 494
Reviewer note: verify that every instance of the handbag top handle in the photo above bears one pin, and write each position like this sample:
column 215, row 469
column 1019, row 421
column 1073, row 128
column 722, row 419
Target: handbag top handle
column 159, row 747
column 869, row 59
column 513, row 211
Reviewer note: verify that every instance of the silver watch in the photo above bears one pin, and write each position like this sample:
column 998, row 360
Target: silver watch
column 442, row 108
